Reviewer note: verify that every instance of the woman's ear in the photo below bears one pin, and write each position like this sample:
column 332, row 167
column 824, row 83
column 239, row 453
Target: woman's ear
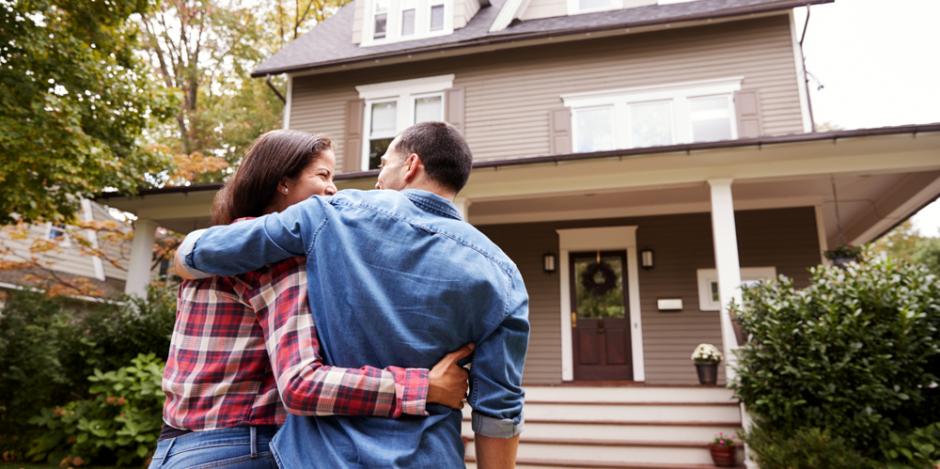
column 283, row 187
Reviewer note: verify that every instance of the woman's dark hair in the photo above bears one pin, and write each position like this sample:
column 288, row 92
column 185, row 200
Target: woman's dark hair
column 273, row 157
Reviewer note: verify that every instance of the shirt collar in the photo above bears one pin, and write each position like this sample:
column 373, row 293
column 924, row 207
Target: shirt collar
column 432, row 202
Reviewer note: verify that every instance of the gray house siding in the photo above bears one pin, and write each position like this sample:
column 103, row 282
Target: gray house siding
column 782, row 238
column 509, row 95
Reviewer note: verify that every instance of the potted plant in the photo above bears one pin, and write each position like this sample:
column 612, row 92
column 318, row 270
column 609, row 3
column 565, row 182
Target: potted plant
column 844, row 255
column 706, row 358
column 723, row 450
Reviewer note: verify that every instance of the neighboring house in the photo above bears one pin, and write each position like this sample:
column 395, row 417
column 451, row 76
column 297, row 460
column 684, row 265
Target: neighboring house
column 638, row 160
column 63, row 262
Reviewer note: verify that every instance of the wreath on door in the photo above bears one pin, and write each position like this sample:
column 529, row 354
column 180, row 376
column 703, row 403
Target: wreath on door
column 599, row 278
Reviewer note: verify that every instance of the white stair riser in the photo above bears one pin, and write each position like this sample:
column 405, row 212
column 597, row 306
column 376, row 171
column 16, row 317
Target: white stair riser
column 628, row 394
column 682, row 433
column 611, row 454
column 633, row 413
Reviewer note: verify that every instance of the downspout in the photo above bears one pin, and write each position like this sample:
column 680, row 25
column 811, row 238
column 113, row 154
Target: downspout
column 809, row 99
column 267, row 81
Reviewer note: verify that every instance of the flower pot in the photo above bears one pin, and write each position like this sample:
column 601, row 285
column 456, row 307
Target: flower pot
column 707, row 373
column 723, row 455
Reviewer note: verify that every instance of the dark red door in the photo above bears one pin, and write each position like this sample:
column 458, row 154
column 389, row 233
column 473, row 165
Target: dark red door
column 600, row 323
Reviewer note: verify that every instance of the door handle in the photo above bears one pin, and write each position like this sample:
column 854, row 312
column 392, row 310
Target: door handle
column 574, row 319
column 600, row 327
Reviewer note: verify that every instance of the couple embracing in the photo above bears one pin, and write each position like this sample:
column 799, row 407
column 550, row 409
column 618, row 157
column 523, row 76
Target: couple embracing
column 327, row 330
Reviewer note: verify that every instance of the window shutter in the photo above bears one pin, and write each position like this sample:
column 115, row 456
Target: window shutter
column 455, row 114
column 561, row 131
column 747, row 108
column 352, row 147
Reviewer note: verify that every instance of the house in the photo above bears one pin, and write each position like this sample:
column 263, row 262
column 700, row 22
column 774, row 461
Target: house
column 76, row 261
column 638, row 160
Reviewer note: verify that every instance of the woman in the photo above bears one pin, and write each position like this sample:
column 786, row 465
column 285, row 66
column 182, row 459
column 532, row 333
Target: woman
column 244, row 348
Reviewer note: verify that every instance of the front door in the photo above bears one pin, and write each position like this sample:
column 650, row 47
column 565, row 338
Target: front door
column 600, row 325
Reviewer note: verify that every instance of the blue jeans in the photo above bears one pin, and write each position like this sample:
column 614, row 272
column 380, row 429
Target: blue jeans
column 230, row 448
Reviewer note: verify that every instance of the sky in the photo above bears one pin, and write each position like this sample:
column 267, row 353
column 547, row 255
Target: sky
column 878, row 62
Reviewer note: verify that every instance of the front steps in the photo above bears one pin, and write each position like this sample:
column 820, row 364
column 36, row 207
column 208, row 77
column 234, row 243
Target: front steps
column 620, row 427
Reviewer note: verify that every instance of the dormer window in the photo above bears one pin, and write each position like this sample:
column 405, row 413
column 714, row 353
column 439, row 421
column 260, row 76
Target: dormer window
column 399, row 20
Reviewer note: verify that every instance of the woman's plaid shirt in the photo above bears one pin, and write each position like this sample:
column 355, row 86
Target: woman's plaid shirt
column 244, row 348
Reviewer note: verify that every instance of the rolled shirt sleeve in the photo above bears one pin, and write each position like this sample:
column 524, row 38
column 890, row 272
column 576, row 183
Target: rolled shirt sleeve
column 496, row 393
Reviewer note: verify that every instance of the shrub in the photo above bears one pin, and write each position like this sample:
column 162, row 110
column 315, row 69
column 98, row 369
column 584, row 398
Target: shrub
column 49, row 347
column 856, row 355
column 119, row 423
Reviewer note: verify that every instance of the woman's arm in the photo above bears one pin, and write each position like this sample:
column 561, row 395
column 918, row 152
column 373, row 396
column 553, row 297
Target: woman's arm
column 309, row 387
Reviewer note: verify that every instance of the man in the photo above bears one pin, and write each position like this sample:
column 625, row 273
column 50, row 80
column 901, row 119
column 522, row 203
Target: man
column 396, row 278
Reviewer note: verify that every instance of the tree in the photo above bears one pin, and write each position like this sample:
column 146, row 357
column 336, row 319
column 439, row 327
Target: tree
column 204, row 50
column 905, row 244
column 76, row 103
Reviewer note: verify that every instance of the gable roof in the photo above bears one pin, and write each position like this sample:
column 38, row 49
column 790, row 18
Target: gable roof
column 330, row 43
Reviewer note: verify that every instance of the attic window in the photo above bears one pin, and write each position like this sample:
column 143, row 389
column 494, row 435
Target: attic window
column 397, row 20
column 588, row 6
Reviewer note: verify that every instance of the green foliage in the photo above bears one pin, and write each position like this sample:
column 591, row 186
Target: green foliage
column 856, row 355
column 49, row 347
column 76, row 101
column 905, row 244
column 118, row 423
column 809, row 448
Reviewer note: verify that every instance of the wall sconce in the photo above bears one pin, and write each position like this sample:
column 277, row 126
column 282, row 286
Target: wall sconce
column 646, row 259
column 548, row 262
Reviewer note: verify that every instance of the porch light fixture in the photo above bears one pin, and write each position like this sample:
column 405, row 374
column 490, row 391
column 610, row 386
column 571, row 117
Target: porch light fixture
column 548, row 262
column 646, row 259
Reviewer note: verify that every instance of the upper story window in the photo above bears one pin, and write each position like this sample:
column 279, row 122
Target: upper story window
column 399, row 20
column 392, row 107
column 653, row 116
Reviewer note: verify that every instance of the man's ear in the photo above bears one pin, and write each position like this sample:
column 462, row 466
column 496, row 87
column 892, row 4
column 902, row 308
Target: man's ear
column 413, row 167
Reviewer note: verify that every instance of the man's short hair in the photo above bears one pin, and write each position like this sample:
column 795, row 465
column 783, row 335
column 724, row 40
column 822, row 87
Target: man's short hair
column 443, row 151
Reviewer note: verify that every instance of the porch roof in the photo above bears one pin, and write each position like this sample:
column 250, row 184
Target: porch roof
column 912, row 150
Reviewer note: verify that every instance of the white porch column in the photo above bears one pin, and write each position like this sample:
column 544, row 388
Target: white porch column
column 724, row 235
column 463, row 205
column 138, row 270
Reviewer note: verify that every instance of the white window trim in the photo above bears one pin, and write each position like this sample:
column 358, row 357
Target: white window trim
column 678, row 93
column 393, row 22
column 574, row 7
column 403, row 93
column 708, row 276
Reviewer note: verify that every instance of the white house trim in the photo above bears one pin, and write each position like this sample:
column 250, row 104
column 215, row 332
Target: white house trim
column 394, row 89
column 639, row 211
column 727, row 263
column 800, row 75
column 590, row 239
column 93, row 240
column 654, row 92
column 288, row 100
column 510, row 10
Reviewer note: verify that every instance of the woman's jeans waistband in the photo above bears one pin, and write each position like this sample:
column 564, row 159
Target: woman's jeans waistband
column 230, row 448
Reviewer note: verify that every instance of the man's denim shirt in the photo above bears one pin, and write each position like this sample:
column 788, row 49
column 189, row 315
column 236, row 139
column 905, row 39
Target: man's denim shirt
column 395, row 278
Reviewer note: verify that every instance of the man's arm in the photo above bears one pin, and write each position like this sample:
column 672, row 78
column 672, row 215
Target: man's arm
column 251, row 244
column 496, row 393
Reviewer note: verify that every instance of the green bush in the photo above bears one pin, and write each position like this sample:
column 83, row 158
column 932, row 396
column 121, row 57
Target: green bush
column 50, row 346
column 810, row 448
column 119, row 423
column 855, row 355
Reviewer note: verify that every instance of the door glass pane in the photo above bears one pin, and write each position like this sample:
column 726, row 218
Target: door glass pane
column 594, row 129
column 585, row 5
column 711, row 118
column 383, row 119
column 651, row 123
column 408, row 22
column 437, row 18
column 428, row 108
column 599, row 287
